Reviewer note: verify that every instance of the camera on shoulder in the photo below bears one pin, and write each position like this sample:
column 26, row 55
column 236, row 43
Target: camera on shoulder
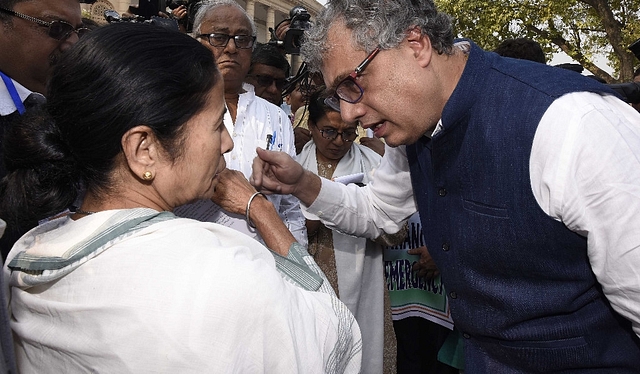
column 114, row 17
column 299, row 21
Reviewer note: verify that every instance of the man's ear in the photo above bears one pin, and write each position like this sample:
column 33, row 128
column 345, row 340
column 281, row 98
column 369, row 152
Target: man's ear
column 420, row 46
column 142, row 151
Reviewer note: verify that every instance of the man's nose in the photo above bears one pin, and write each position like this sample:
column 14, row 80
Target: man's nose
column 69, row 41
column 273, row 87
column 231, row 46
column 351, row 112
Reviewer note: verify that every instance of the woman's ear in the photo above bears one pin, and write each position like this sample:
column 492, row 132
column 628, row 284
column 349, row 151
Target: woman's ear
column 420, row 46
column 142, row 151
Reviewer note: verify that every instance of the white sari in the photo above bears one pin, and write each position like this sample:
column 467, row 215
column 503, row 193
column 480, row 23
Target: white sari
column 359, row 262
column 132, row 291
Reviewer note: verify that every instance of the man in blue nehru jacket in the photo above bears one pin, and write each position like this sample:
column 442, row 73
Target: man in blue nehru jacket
column 526, row 177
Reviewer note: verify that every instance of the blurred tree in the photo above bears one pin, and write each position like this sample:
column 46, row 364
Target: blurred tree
column 580, row 28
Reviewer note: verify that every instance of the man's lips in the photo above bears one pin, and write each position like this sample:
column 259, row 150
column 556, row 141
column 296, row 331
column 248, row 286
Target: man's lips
column 231, row 62
column 375, row 127
column 371, row 126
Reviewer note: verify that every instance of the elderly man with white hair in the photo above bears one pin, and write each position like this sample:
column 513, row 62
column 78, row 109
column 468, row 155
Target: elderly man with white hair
column 230, row 34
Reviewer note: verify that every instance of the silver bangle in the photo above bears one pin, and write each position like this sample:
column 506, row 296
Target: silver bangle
column 249, row 206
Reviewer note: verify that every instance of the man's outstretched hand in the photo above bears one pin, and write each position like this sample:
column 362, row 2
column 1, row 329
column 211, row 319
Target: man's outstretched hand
column 275, row 172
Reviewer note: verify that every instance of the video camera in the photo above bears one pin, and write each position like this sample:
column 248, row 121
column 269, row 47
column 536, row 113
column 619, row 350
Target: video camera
column 630, row 92
column 114, row 17
column 192, row 8
column 299, row 21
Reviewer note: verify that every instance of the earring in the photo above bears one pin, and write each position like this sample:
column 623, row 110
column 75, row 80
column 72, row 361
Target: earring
column 147, row 176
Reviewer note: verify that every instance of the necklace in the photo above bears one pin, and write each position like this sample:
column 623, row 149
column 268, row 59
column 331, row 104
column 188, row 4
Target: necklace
column 80, row 211
column 325, row 169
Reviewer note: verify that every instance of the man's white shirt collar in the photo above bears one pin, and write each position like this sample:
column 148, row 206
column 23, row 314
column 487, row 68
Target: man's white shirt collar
column 6, row 103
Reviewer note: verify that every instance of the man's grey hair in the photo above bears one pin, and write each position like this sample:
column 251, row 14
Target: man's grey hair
column 374, row 23
column 208, row 5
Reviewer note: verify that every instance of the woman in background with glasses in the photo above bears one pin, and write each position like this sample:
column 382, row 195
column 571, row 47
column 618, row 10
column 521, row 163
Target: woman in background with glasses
column 354, row 266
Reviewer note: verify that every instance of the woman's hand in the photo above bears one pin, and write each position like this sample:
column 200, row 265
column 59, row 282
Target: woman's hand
column 233, row 191
column 232, row 194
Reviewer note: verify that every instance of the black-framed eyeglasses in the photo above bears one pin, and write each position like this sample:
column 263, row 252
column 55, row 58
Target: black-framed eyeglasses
column 267, row 81
column 347, row 136
column 348, row 89
column 221, row 40
column 58, row 30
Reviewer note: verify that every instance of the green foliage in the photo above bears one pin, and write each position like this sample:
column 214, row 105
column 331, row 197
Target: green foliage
column 580, row 28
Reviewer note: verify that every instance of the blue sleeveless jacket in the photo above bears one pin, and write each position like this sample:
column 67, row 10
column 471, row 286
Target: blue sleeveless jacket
column 520, row 285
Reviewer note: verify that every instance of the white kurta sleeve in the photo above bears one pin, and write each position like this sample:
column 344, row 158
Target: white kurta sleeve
column 382, row 206
column 586, row 174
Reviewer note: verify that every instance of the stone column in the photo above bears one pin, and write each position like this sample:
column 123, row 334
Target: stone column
column 271, row 19
column 251, row 8
column 120, row 6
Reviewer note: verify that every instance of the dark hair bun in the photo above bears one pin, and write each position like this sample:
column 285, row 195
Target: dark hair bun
column 41, row 172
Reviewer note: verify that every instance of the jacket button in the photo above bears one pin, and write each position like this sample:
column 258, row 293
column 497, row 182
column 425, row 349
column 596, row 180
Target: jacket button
column 453, row 295
column 442, row 192
column 445, row 247
column 466, row 336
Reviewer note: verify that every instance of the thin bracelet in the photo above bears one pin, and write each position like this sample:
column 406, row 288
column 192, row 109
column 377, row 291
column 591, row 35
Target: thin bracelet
column 249, row 206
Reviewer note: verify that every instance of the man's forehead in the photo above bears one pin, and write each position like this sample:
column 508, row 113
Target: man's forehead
column 340, row 56
column 338, row 38
column 226, row 27
column 60, row 10
column 264, row 69
column 227, row 19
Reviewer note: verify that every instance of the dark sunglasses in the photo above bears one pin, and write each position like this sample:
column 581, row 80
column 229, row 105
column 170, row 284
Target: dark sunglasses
column 267, row 81
column 58, row 30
